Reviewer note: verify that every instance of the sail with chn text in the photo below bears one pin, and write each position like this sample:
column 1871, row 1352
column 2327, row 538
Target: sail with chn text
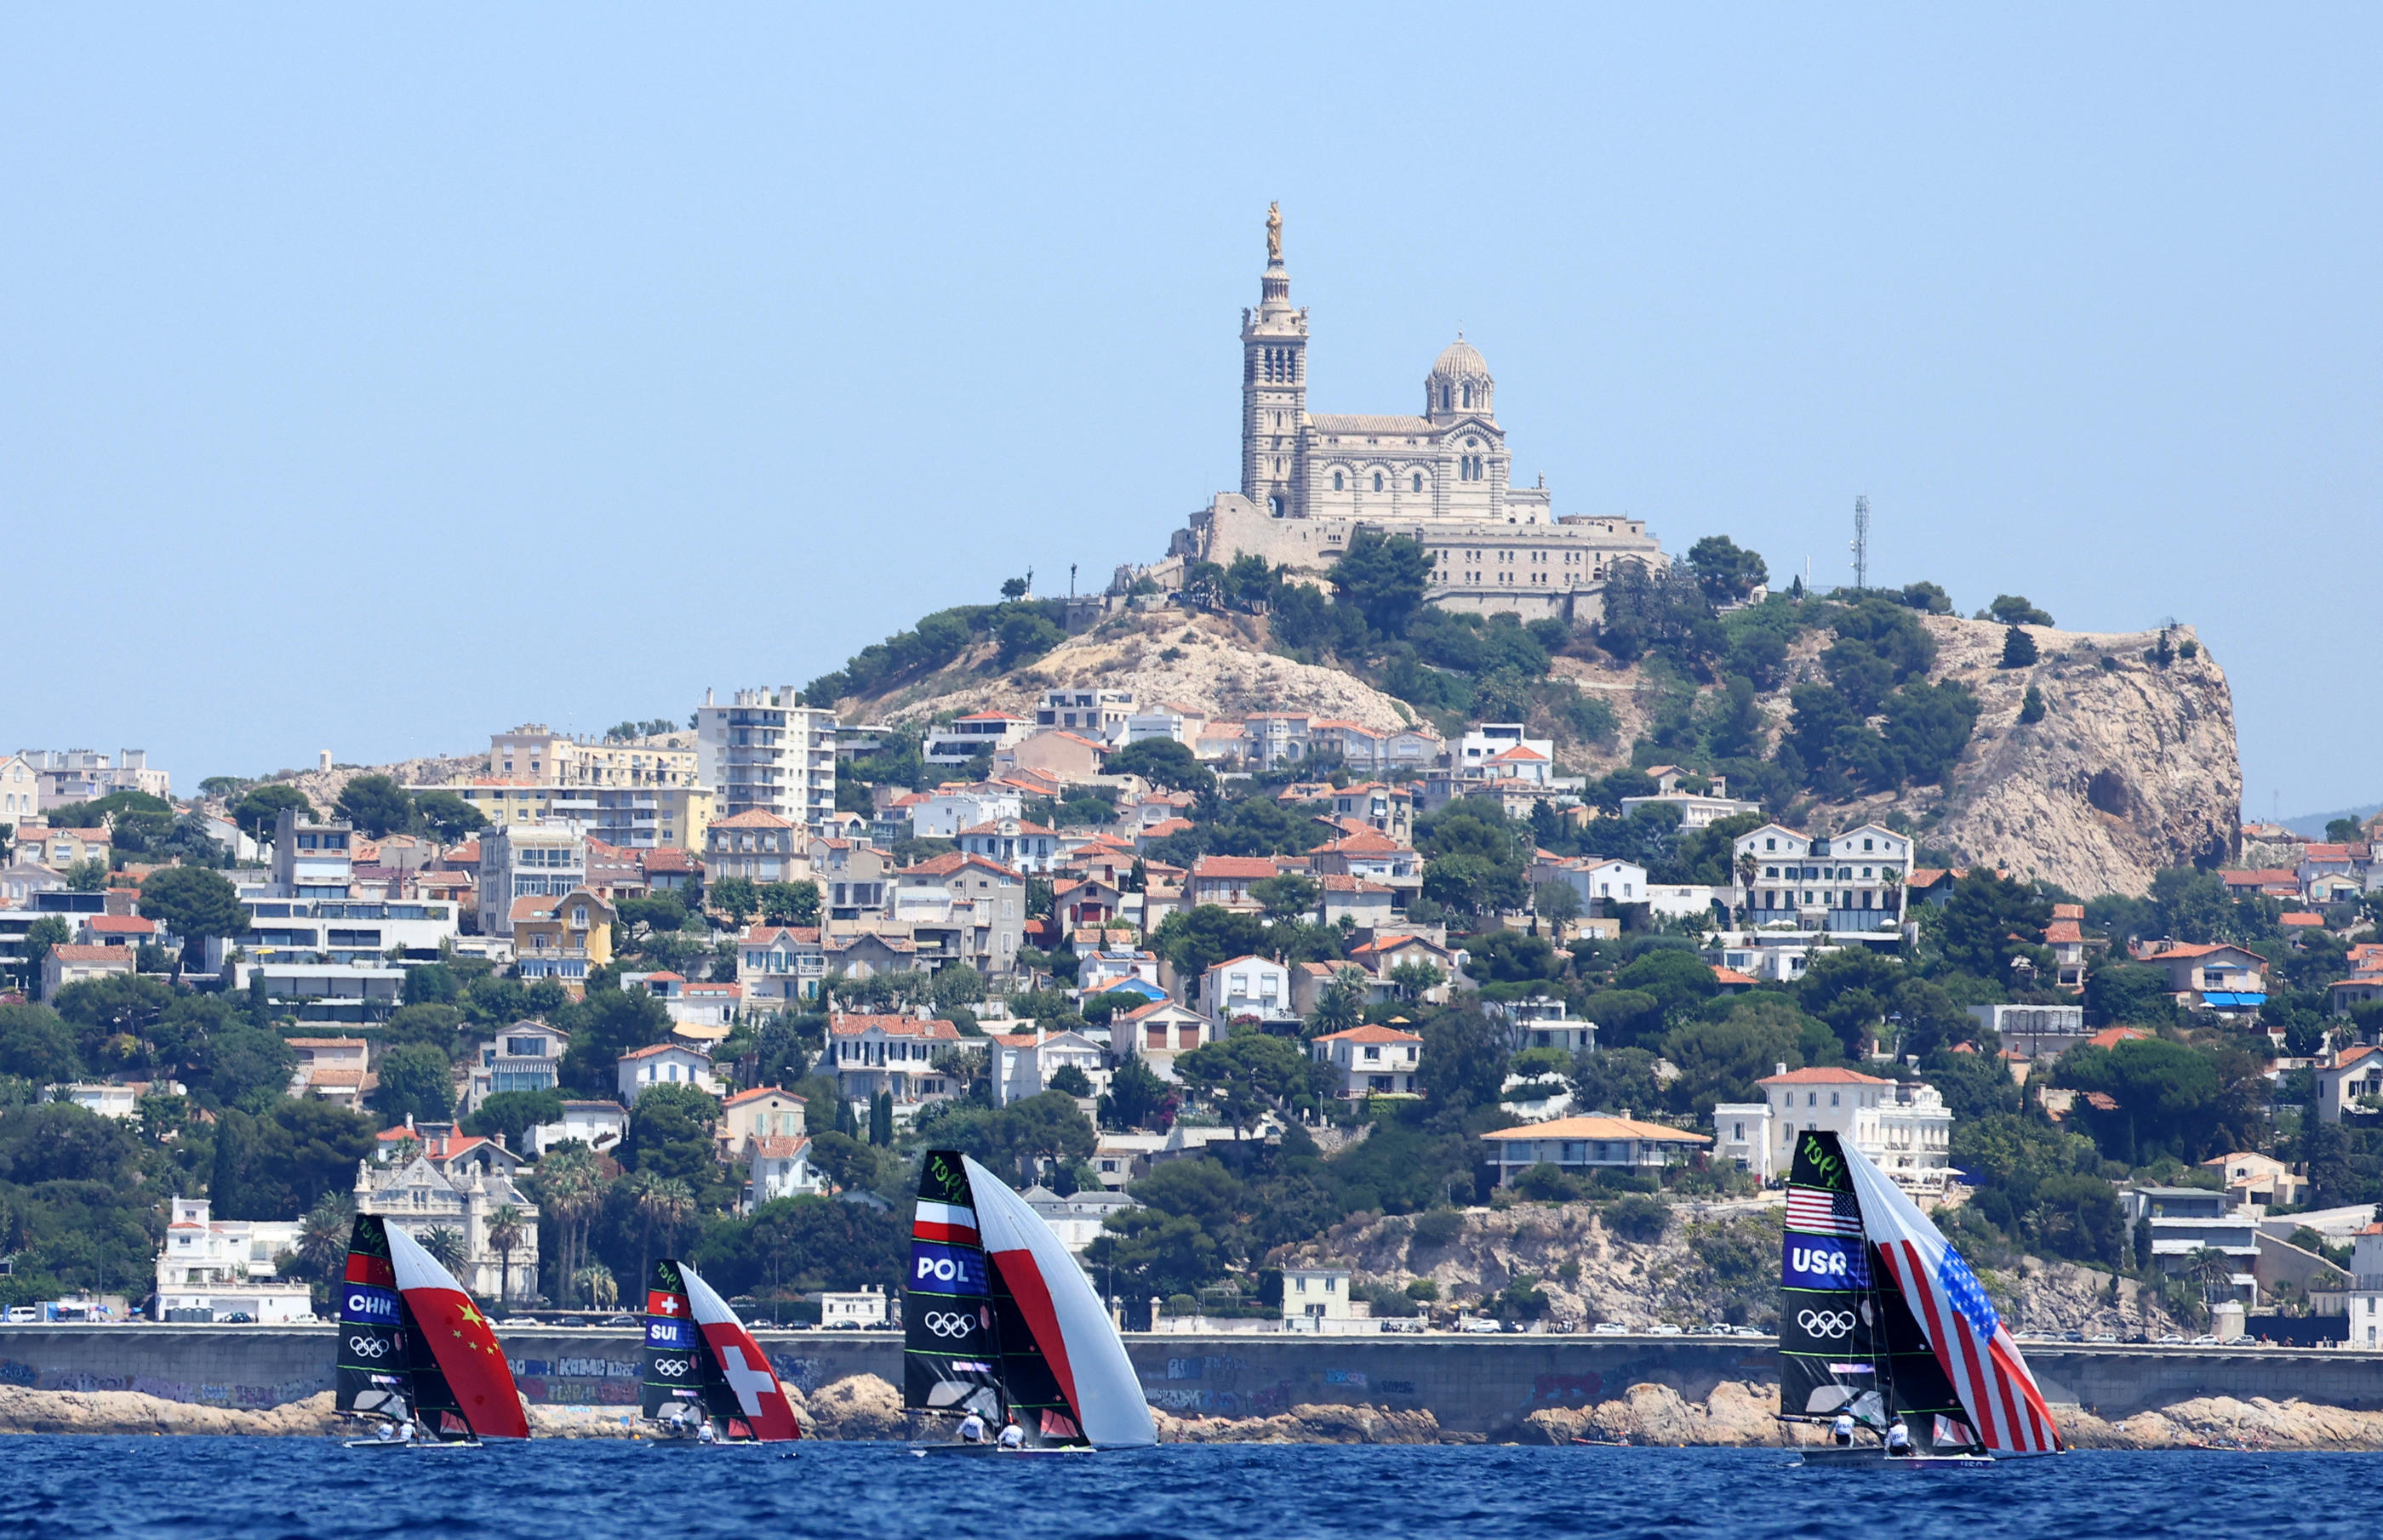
column 702, row 1362
column 1000, row 1318
column 412, row 1347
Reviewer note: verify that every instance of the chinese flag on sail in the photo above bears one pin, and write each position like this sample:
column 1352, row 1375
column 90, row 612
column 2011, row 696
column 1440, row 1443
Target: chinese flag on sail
column 460, row 1339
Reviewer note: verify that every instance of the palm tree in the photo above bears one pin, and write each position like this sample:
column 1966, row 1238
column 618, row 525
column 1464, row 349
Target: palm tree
column 595, row 1280
column 505, row 1229
column 446, row 1247
column 1747, row 867
column 323, row 1241
column 571, row 1188
column 2213, row 1270
column 669, row 1203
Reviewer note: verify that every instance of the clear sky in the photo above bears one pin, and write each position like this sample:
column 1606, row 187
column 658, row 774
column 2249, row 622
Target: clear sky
column 378, row 378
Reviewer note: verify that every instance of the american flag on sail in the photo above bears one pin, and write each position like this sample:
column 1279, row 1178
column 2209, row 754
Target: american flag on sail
column 2005, row 1407
column 1814, row 1212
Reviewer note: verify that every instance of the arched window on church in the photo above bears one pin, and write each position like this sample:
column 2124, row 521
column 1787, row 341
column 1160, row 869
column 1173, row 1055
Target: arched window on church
column 1468, row 393
column 1274, row 505
column 1443, row 398
column 1336, row 481
column 1418, row 481
column 1377, row 481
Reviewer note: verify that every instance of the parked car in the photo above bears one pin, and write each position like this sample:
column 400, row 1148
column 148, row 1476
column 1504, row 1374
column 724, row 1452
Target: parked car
column 1665, row 1330
column 1480, row 1324
column 1609, row 1328
column 23, row 1313
column 2102, row 1337
column 240, row 1318
column 2204, row 1340
column 2073, row 1337
column 2171, row 1339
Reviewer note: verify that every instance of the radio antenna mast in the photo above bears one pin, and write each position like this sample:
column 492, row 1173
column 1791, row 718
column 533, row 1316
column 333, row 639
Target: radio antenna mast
column 1861, row 544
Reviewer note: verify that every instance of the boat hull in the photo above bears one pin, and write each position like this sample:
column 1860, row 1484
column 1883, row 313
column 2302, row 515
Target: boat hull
column 1872, row 1458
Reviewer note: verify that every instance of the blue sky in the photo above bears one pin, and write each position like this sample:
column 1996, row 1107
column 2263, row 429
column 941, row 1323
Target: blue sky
column 380, row 379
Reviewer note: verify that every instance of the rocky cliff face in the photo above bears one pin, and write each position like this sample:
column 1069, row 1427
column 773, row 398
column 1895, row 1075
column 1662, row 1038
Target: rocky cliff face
column 1216, row 664
column 2132, row 768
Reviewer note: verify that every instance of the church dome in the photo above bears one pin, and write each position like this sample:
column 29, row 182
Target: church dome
column 1459, row 359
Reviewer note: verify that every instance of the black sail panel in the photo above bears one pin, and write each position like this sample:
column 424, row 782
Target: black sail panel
column 372, row 1358
column 951, row 1346
column 1026, row 1375
column 671, row 1375
column 1831, row 1332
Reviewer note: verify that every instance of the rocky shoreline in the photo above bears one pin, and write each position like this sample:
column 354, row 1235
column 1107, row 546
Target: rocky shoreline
column 1734, row 1414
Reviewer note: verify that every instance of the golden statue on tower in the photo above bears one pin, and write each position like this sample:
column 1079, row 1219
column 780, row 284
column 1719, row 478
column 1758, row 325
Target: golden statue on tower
column 1274, row 232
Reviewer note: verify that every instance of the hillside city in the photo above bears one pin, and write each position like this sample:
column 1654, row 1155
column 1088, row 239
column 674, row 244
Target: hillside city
column 1214, row 993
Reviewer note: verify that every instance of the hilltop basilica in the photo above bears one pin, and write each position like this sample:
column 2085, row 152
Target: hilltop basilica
column 1311, row 480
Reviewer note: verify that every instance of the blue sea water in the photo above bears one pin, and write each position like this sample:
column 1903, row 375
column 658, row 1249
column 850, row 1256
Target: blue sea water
column 281, row 1489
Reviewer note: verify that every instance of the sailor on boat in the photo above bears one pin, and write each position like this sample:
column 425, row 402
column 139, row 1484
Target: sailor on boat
column 1898, row 1440
column 972, row 1429
column 703, row 1434
column 1012, row 1436
column 1842, row 1430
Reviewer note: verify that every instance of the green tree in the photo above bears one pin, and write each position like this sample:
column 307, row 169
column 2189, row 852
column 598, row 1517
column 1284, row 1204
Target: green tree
column 285, row 1159
column 416, row 1081
column 447, row 1246
column 450, row 818
column 669, row 1134
column 1720, row 1061
column 1163, row 762
column 1248, row 1075
column 506, row 1229
column 36, row 1045
column 1462, row 1063
column 2018, row 649
column 880, row 1120
column 1137, row 1096
column 736, row 897
column 193, row 903
column 1725, row 572
column 2014, row 610
column 376, row 804
column 44, row 933
column 1290, row 896
column 1990, row 921
column 789, row 902
column 1196, row 940
column 2031, row 710
column 513, row 1113
column 87, row 875
column 1385, row 578
column 258, row 809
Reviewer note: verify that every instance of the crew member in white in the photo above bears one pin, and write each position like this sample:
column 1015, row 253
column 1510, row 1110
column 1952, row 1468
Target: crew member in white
column 1843, row 1430
column 1898, row 1440
column 1012, row 1436
column 972, row 1429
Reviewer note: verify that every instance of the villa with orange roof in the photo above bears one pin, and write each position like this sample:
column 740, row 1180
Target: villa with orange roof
column 1903, row 1126
column 1588, row 1144
column 1370, row 1061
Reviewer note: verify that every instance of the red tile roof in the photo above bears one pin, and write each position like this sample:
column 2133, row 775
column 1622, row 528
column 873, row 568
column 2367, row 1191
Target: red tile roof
column 753, row 818
column 1235, row 865
column 893, row 1025
column 1828, row 1075
column 1370, row 1032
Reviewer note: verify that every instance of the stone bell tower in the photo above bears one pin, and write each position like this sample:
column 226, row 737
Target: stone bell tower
column 1273, row 388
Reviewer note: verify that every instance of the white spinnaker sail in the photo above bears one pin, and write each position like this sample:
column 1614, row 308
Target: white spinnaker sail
column 1070, row 1325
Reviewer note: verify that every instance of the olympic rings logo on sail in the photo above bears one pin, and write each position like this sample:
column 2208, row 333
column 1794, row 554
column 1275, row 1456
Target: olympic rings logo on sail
column 368, row 1347
column 1826, row 1322
column 670, row 1368
column 953, row 1324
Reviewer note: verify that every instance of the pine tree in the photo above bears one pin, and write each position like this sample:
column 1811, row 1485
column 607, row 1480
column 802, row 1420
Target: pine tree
column 2031, row 711
column 2018, row 647
column 880, row 1120
column 223, row 1186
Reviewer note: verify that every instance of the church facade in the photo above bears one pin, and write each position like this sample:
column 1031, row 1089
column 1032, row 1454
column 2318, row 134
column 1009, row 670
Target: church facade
column 1444, row 477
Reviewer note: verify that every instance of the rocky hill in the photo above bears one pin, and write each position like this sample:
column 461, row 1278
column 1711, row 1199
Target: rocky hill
column 2132, row 766
column 1711, row 1262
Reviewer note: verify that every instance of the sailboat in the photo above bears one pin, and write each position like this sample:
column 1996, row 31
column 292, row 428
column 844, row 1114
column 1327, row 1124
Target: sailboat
column 414, row 1354
column 1882, row 1325
column 704, row 1375
column 999, row 1320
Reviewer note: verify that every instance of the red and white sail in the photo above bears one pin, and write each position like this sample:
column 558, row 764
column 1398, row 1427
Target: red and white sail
column 1070, row 1327
column 742, row 1363
column 2005, row 1406
column 459, row 1337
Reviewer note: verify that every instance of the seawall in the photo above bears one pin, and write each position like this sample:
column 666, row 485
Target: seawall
column 1482, row 1386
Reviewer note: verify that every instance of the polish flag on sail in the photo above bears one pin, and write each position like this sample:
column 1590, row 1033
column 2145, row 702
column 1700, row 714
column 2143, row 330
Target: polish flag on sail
column 1999, row 1392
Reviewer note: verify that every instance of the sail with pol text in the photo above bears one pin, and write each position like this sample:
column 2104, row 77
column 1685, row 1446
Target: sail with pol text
column 412, row 1347
column 1001, row 1321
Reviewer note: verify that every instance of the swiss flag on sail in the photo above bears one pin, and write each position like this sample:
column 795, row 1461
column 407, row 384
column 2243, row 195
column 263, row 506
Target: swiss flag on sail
column 460, row 1338
column 742, row 1363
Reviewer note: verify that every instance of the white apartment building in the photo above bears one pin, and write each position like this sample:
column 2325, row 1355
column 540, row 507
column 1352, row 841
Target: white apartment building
column 532, row 753
column 67, row 776
column 211, row 1269
column 765, row 750
column 1599, row 882
column 1848, row 882
column 1903, row 1126
column 312, row 858
column 1488, row 740
column 664, row 1063
column 870, row 1055
column 531, row 860
column 1246, row 986
column 1101, row 714
column 948, row 809
column 1370, row 1061
column 525, row 1056
column 1023, row 1062
column 963, row 738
